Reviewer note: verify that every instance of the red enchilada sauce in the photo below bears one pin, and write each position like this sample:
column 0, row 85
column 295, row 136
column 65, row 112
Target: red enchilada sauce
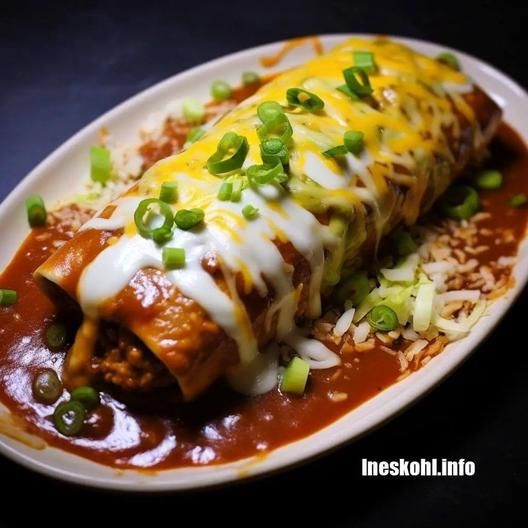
column 156, row 430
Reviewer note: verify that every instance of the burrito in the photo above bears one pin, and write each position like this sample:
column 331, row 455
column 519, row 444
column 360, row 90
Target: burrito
column 237, row 241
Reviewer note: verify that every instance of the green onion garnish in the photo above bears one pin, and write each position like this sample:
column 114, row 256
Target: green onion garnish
column 346, row 90
column 273, row 150
column 459, row 202
column 56, row 335
column 195, row 134
column 100, row 165
column 8, row 297
column 364, row 60
column 353, row 140
column 488, row 180
column 162, row 235
column 220, row 90
column 278, row 127
column 69, row 417
column 36, row 211
column 230, row 154
column 449, row 59
column 295, row 376
column 250, row 212
column 519, row 200
column 358, row 81
column 193, row 110
column 225, row 191
column 305, row 99
column 47, row 387
column 262, row 174
column 269, row 110
column 144, row 210
column 188, row 218
column 173, row 257
column 86, row 395
column 382, row 318
column 236, row 194
column 169, row 192
column 250, row 77
column 334, row 152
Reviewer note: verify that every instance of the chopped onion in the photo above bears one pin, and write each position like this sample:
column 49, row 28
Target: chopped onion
column 361, row 332
column 343, row 323
column 312, row 351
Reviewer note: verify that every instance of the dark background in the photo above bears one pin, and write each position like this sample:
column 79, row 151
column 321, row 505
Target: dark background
column 63, row 64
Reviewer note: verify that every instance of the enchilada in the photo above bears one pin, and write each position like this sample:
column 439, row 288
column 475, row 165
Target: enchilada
column 359, row 141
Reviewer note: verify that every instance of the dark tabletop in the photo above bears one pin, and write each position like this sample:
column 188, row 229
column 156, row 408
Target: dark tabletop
column 63, row 64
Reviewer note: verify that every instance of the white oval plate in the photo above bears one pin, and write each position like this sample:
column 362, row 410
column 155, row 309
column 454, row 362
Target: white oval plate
column 64, row 172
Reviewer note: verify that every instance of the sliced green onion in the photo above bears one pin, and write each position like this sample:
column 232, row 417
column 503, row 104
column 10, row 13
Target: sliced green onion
column 488, row 180
column 143, row 209
column 305, row 99
column 230, row 154
column 195, row 134
column 269, row 110
column 87, row 395
column 8, row 297
column 100, row 165
column 449, row 59
column 56, row 335
column 358, row 81
column 364, row 60
column 279, row 127
column 404, row 243
column 459, row 202
column 519, row 200
column 250, row 212
column 47, row 387
column 295, row 376
column 382, row 318
column 334, row 152
column 162, row 235
column 236, row 193
column 193, row 110
column 249, row 78
column 169, row 192
column 69, row 417
column 225, row 191
column 173, row 257
column 353, row 140
column 346, row 90
column 221, row 91
column 36, row 211
column 188, row 218
column 273, row 150
column 262, row 174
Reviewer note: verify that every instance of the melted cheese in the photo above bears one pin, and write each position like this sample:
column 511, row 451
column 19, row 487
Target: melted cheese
column 415, row 96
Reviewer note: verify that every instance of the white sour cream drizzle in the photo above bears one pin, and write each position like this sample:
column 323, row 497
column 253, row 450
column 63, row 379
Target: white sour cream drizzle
column 251, row 249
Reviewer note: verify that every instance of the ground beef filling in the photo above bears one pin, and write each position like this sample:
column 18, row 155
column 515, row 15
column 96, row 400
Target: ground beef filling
column 123, row 360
